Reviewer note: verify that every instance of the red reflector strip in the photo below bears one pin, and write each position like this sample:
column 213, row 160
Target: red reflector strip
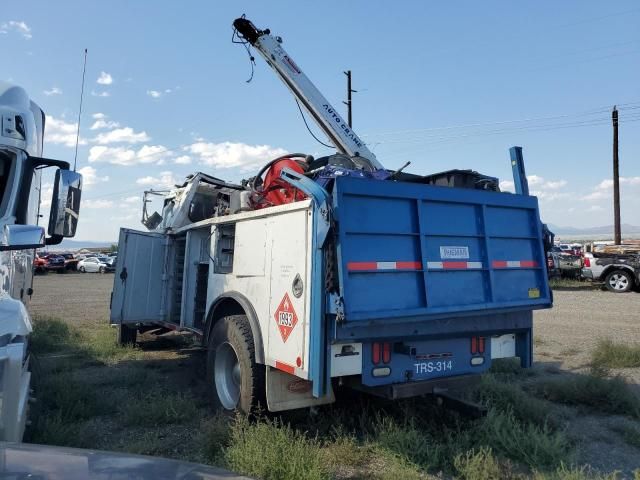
column 355, row 266
column 285, row 367
column 528, row 263
column 481, row 344
column 359, row 266
column 474, row 345
column 375, row 353
column 453, row 265
column 386, row 352
column 514, row 264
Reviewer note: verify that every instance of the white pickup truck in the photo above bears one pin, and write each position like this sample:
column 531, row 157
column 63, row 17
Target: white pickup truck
column 619, row 272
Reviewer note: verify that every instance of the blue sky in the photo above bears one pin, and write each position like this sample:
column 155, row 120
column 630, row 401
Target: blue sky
column 444, row 85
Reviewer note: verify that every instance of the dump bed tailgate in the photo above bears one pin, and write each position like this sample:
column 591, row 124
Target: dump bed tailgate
column 413, row 250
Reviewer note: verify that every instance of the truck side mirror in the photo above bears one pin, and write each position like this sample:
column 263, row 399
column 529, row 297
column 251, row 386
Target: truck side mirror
column 65, row 205
column 18, row 237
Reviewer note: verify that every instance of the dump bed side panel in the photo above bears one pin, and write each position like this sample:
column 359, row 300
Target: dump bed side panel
column 410, row 250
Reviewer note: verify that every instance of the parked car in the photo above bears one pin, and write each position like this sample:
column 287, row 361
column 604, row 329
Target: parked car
column 55, row 262
column 111, row 261
column 39, row 264
column 620, row 273
column 569, row 264
column 94, row 264
column 70, row 261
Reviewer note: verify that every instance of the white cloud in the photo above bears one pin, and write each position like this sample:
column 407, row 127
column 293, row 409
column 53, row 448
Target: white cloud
column 230, row 155
column 183, row 160
column 539, row 187
column 61, row 133
column 100, row 94
column 90, row 176
column 595, row 208
column 121, row 135
column 98, row 116
column 96, row 204
column 507, row 186
column 53, row 91
column 104, row 79
column 132, row 199
column 605, row 188
column 166, row 179
column 104, row 124
column 16, row 26
column 115, row 156
column 160, row 93
column 46, row 195
column 147, row 154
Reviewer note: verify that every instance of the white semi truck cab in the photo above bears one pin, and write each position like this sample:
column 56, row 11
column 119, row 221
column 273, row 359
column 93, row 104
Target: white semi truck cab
column 22, row 125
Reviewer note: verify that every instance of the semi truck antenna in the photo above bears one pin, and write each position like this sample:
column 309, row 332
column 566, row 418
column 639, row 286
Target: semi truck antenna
column 84, row 69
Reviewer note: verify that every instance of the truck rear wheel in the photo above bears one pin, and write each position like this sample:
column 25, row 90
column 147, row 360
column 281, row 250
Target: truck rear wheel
column 619, row 281
column 236, row 381
column 127, row 335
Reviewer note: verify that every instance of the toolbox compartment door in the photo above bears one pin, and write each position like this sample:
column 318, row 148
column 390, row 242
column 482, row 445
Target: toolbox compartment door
column 417, row 251
column 140, row 278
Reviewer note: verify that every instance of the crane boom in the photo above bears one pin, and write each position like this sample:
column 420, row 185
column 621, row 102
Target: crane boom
column 325, row 115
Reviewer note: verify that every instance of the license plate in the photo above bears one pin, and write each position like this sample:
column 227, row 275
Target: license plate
column 433, row 366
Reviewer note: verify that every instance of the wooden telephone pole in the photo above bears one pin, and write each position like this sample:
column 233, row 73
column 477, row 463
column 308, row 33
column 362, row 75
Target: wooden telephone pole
column 617, row 234
column 348, row 102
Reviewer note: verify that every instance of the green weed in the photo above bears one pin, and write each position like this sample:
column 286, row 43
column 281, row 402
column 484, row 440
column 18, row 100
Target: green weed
column 271, row 450
column 609, row 395
column 616, row 355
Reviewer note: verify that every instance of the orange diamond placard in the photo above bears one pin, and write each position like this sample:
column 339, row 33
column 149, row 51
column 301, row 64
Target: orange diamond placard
column 286, row 317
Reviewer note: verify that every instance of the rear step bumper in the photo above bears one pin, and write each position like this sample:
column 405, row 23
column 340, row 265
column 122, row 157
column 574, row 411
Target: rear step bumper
column 413, row 389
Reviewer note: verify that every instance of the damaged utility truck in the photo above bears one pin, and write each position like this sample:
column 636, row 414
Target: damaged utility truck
column 21, row 165
column 335, row 271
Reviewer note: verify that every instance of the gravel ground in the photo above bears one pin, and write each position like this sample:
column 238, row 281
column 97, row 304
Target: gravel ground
column 567, row 333
column 564, row 337
column 74, row 297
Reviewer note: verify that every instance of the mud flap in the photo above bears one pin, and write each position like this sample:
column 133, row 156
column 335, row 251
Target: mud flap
column 286, row 392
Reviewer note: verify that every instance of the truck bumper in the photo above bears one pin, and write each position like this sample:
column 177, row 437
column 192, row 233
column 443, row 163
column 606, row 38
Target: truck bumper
column 413, row 389
column 587, row 273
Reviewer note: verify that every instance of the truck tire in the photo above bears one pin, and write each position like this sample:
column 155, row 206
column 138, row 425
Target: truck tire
column 618, row 281
column 236, row 381
column 127, row 335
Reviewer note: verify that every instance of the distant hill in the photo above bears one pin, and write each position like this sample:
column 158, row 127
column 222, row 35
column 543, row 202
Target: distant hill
column 78, row 244
column 591, row 231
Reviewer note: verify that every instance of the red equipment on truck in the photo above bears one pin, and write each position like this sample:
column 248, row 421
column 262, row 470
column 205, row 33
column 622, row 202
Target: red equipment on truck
column 272, row 190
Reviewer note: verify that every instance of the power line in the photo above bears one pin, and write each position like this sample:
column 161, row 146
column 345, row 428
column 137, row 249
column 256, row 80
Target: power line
column 604, row 109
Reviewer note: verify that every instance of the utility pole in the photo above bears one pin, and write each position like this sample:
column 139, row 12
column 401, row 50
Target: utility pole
column 348, row 102
column 617, row 235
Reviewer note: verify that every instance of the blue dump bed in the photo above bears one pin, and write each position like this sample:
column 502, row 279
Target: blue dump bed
column 412, row 253
column 435, row 282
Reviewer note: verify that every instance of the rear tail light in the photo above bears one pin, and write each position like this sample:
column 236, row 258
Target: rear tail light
column 375, row 353
column 587, row 262
column 386, row 352
column 477, row 345
column 380, row 352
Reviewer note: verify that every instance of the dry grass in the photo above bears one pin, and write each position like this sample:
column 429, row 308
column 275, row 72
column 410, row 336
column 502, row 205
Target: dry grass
column 616, row 355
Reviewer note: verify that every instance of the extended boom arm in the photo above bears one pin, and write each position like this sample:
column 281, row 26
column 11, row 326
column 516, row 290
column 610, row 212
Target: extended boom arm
column 329, row 120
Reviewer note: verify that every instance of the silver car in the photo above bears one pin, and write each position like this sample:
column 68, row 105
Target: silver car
column 94, row 265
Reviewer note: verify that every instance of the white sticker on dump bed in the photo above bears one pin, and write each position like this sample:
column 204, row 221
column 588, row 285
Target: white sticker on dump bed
column 454, row 252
